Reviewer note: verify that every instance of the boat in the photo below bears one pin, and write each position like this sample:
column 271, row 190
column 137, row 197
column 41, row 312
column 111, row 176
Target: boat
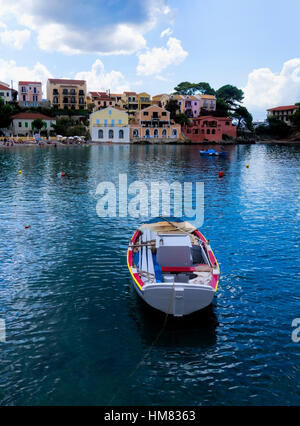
column 213, row 152
column 173, row 267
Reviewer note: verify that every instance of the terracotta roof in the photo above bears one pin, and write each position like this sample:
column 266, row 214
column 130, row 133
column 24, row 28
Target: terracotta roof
column 130, row 93
column 100, row 95
column 31, row 116
column 283, row 108
column 29, row 82
column 208, row 96
column 2, row 87
column 65, row 81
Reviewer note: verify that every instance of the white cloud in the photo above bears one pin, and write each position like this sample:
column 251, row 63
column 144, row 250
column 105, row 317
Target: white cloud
column 266, row 89
column 98, row 80
column 9, row 70
column 166, row 33
column 15, row 39
column 102, row 27
column 157, row 59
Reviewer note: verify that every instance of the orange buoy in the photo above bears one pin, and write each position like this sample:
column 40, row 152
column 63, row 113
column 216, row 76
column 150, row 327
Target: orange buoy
column 221, row 174
column 27, row 227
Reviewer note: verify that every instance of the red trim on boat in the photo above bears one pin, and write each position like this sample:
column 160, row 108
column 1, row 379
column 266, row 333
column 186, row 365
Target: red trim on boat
column 137, row 277
column 199, row 235
column 135, row 237
column 214, row 281
column 130, row 262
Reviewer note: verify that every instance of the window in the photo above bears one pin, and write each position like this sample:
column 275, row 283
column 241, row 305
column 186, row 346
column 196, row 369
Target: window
column 34, row 90
column 156, row 133
column 111, row 134
column 23, row 89
column 100, row 134
column 105, row 122
column 73, row 92
column 110, row 112
column 227, row 123
column 81, row 93
column 120, row 121
column 26, row 124
column 147, row 133
column 65, row 91
column 174, row 132
column 164, row 113
column 97, row 121
column 135, row 133
column 65, row 101
column 146, row 113
column 208, row 131
column 20, row 124
column 213, row 131
column 164, row 133
column 155, row 114
column 24, row 97
column 121, row 134
column 113, row 123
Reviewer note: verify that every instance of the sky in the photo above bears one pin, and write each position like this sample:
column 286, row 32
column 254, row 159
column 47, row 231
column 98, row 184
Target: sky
column 152, row 45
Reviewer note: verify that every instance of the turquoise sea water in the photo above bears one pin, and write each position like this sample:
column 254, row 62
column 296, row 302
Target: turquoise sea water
column 76, row 332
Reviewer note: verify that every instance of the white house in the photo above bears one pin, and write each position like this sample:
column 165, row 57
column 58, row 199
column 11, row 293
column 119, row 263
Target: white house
column 22, row 123
column 6, row 93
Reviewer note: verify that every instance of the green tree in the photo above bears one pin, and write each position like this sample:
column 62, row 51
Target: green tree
column 6, row 112
column 277, row 128
column 205, row 89
column 230, row 94
column 222, row 108
column 38, row 124
column 244, row 117
column 185, row 88
column 181, row 119
column 295, row 118
column 172, row 106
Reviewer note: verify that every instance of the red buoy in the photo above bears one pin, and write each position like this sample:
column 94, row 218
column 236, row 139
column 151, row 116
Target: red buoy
column 63, row 174
column 27, row 227
column 221, row 174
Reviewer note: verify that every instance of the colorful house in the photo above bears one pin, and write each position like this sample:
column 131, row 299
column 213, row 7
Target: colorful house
column 22, row 123
column 101, row 100
column 191, row 105
column 6, row 93
column 30, row 93
column 154, row 123
column 283, row 113
column 67, row 94
column 130, row 102
column 109, row 125
column 209, row 128
column 144, row 100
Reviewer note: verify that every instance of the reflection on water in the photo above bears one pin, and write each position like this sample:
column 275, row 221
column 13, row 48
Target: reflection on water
column 75, row 329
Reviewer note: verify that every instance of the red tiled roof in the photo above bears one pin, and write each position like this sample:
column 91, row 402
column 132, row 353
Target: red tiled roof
column 283, row 108
column 31, row 116
column 2, row 87
column 100, row 95
column 29, row 82
column 130, row 93
column 65, row 81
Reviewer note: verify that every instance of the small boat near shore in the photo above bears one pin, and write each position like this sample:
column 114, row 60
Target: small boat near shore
column 212, row 152
column 173, row 267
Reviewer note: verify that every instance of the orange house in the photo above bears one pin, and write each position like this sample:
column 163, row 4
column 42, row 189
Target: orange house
column 209, row 128
column 154, row 123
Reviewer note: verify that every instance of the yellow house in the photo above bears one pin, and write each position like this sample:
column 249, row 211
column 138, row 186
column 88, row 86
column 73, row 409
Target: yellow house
column 144, row 100
column 109, row 125
column 67, row 94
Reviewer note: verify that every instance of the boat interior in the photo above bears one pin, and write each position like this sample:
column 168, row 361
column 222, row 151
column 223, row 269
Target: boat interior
column 171, row 257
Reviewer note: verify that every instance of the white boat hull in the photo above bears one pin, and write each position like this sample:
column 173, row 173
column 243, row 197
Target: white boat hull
column 176, row 299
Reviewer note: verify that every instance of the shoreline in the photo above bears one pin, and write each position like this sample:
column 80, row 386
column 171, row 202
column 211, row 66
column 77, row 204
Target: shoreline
column 56, row 144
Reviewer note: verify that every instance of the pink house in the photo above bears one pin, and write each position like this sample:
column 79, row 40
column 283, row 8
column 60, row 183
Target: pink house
column 209, row 128
column 30, row 92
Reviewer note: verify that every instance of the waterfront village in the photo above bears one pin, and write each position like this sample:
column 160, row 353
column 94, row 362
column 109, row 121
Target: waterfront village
column 192, row 114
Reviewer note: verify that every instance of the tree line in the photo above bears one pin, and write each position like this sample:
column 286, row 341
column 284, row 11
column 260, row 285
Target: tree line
column 228, row 102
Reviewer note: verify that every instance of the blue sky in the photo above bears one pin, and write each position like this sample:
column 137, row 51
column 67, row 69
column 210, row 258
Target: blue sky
column 152, row 45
